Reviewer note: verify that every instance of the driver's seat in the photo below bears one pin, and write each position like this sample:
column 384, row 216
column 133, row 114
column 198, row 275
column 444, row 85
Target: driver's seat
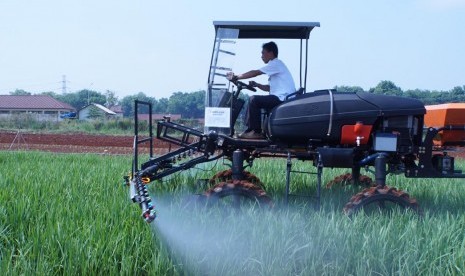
column 291, row 96
column 296, row 94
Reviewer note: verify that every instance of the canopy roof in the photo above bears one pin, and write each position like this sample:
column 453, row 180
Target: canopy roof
column 264, row 29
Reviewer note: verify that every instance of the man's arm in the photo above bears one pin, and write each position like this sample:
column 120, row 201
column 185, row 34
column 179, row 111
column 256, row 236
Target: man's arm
column 264, row 87
column 248, row 75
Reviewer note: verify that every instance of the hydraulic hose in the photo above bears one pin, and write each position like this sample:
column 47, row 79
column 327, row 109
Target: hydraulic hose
column 367, row 160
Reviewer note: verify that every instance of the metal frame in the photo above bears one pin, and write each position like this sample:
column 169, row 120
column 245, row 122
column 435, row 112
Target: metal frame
column 138, row 141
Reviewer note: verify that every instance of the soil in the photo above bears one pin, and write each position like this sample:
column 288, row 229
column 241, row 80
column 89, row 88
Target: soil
column 91, row 143
column 75, row 143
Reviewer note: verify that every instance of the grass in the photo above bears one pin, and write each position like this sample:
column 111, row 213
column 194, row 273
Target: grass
column 118, row 126
column 69, row 214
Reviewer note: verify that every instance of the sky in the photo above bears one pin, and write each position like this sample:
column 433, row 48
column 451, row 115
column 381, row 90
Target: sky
column 161, row 47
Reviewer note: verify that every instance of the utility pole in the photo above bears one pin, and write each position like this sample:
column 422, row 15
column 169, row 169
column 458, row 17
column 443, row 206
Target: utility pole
column 88, row 90
column 63, row 86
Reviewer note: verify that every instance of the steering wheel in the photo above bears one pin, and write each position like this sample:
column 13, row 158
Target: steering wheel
column 241, row 85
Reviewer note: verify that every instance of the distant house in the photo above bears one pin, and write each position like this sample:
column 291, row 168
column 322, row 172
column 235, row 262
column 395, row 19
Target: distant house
column 41, row 107
column 118, row 109
column 95, row 111
column 158, row 117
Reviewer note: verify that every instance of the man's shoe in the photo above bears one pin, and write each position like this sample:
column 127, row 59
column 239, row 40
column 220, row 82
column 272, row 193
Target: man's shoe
column 252, row 135
column 241, row 135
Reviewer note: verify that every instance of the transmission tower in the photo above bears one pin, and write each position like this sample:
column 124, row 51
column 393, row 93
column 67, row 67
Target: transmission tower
column 63, row 86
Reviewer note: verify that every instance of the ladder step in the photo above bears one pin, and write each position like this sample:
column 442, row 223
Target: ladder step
column 218, row 84
column 225, row 41
column 221, row 68
column 303, row 172
column 227, row 52
column 219, row 74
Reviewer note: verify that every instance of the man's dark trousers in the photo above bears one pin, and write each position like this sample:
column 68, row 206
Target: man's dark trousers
column 256, row 103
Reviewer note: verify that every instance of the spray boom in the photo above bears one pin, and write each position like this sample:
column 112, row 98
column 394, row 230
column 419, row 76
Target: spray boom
column 138, row 193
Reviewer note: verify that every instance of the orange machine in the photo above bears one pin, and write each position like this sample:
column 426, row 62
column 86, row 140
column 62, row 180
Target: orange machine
column 443, row 115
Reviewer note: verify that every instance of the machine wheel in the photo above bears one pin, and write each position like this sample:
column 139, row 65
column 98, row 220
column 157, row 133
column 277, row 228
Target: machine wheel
column 237, row 193
column 379, row 197
column 347, row 179
column 226, row 175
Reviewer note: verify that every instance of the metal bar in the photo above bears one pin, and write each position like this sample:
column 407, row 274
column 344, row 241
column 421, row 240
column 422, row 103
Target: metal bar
column 380, row 170
column 150, row 130
column 226, row 40
column 330, row 112
column 318, row 189
column 288, row 176
column 135, row 164
column 222, row 68
column 187, row 165
column 169, row 155
column 140, row 141
column 211, row 63
column 180, row 127
column 227, row 52
column 303, row 172
column 300, row 67
column 306, row 64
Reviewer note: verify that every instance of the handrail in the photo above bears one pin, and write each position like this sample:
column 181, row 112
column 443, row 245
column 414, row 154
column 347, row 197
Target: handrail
column 331, row 111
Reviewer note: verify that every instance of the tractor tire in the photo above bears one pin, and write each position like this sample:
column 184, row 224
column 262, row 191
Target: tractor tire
column 238, row 192
column 226, row 175
column 346, row 179
column 378, row 196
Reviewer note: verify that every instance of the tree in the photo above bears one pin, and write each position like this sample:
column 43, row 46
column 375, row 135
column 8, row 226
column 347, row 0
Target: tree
column 111, row 98
column 417, row 94
column 161, row 106
column 189, row 105
column 82, row 98
column 127, row 104
column 179, row 104
column 51, row 94
column 91, row 96
column 20, row 92
column 344, row 88
column 458, row 91
column 387, row 88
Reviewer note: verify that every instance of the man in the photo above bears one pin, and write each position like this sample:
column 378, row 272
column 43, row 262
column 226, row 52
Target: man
column 280, row 85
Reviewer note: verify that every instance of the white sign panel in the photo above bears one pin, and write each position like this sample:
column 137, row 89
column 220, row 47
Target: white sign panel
column 217, row 116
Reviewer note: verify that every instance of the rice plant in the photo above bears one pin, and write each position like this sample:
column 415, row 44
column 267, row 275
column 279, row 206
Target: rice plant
column 70, row 214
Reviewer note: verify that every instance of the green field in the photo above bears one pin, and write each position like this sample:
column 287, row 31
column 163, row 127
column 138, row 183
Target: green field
column 70, row 214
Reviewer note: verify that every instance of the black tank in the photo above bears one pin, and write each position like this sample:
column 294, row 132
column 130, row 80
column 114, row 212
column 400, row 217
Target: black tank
column 309, row 116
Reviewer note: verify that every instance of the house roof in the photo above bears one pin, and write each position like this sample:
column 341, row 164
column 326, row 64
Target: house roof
column 101, row 107
column 108, row 111
column 32, row 102
column 117, row 109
